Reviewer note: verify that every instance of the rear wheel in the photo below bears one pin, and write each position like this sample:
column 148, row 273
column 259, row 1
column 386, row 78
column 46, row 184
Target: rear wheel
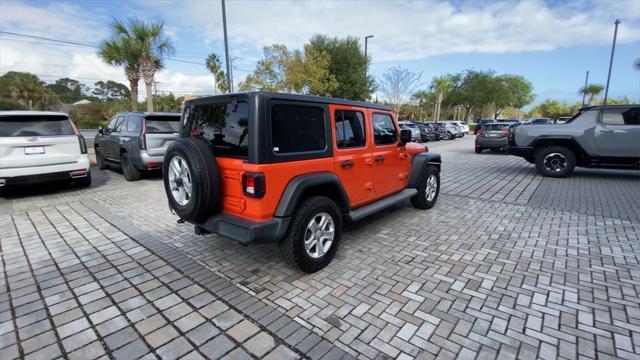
column 479, row 149
column 428, row 188
column 128, row 170
column 313, row 235
column 555, row 161
column 100, row 160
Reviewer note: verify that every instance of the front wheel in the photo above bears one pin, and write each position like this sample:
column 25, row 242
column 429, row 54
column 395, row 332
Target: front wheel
column 100, row 160
column 313, row 235
column 555, row 161
column 428, row 188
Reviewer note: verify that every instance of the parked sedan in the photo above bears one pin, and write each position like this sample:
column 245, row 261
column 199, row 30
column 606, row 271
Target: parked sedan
column 427, row 131
column 493, row 136
column 136, row 141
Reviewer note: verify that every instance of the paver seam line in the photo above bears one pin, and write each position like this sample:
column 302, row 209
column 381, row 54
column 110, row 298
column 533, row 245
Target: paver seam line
column 145, row 241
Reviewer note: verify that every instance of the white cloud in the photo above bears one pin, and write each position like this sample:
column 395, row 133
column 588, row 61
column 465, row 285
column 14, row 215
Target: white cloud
column 417, row 29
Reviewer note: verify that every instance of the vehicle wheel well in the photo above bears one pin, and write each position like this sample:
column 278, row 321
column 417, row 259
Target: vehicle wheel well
column 329, row 190
column 581, row 156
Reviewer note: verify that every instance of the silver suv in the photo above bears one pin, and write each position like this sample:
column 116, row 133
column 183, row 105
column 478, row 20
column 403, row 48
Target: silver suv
column 599, row 136
column 136, row 142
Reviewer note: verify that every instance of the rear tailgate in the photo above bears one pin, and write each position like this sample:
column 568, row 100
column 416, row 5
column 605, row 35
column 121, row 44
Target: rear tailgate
column 161, row 131
column 27, row 141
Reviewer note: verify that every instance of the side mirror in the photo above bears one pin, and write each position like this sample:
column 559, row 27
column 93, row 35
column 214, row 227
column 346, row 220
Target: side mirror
column 405, row 136
column 100, row 130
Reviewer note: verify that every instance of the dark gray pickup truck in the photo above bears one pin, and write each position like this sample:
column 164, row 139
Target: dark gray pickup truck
column 136, row 141
column 599, row 136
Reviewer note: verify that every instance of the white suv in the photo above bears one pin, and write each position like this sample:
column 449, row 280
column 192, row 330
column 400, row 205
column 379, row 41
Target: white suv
column 464, row 127
column 40, row 146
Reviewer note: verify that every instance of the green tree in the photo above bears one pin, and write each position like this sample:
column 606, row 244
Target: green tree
column 271, row 71
column 111, row 90
column 592, row 90
column 397, row 85
column 347, row 64
column 511, row 91
column 214, row 65
column 69, row 90
column 441, row 86
column 552, row 109
column 168, row 103
column 122, row 50
column 28, row 90
column 424, row 98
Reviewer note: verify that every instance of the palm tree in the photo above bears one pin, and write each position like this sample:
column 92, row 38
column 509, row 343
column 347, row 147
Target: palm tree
column 423, row 97
column 592, row 90
column 441, row 86
column 215, row 66
column 121, row 50
column 153, row 46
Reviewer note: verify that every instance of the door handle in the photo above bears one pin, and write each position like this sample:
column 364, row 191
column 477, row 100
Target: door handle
column 379, row 159
column 346, row 164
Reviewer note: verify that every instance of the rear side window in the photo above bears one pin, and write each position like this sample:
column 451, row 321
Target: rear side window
column 162, row 124
column 297, row 129
column 349, row 129
column 384, row 131
column 225, row 125
column 134, row 124
column 629, row 116
column 28, row 125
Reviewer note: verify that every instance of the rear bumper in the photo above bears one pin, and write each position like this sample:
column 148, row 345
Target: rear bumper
column 149, row 162
column 246, row 231
column 523, row 151
column 41, row 178
column 491, row 143
column 31, row 174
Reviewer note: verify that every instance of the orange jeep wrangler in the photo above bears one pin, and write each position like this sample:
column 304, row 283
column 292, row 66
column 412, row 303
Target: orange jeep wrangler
column 268, row 167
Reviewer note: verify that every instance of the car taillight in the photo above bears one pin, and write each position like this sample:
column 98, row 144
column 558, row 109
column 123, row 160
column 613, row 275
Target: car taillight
column 480, row 132
column 142, row 139
column 83, row 144
column 253, row 184
column 504, row 132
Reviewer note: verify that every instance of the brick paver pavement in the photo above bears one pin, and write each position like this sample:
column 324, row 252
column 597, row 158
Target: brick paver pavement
column 507, row 264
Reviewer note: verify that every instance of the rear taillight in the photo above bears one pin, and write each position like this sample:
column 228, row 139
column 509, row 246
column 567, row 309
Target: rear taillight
column 83, row 144
column 504, row 132
column 253, row 185
column 142, row 139
column 480, row 132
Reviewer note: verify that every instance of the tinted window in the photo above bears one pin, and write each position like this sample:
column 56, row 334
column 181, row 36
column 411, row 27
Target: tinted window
column 226, row 126
column 384, row 132
column 162, row 124
column 122, row 124
column 496, row 127
column 134, row 124
column 297, row 129
column 349, row 129
column 629, row 116
column 112, row 123
column 35, row 125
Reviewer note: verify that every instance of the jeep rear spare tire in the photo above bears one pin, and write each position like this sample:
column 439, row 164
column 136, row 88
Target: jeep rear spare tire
column 192, row 179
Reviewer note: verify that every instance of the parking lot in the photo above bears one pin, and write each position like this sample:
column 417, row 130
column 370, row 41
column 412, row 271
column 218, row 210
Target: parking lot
column 507, row 264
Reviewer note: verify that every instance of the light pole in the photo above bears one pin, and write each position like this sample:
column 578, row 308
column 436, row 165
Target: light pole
column 366, row 59
column 613, row 48
column 226, row 48
column 584, row 93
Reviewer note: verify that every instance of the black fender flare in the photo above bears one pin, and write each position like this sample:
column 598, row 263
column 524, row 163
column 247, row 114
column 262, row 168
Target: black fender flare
column 420, row 161
column 298, row 185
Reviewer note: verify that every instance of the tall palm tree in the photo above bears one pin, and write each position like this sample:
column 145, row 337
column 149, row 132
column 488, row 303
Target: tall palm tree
column 592, row 90
column 214, row 65
column 441, row 86
column 423, row 97
column 154, row 47
column 121, row 50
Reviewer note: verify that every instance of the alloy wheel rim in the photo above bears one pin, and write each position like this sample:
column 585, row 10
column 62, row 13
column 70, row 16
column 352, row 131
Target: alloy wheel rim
column 318, row 237
column 431, row 188
column 180, row 180
column 555, row 162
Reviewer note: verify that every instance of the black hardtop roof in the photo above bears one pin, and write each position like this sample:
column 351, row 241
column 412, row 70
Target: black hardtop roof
column 592, row 107
column 294, row 97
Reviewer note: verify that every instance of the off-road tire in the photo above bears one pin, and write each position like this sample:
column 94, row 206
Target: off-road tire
column 419, row 200
column 83, row 182
column 542, row 153
column 100, row 161
column 292, row 246
column 206, row 192
column 128, row 169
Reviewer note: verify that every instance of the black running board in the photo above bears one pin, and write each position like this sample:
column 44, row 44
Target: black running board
column 372, row 208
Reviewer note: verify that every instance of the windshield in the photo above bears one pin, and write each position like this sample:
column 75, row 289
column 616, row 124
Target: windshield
column 35, row 125
column 163, row 124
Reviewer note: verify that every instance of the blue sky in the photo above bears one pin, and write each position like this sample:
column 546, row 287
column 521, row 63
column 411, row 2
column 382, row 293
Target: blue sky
column 551, row 43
